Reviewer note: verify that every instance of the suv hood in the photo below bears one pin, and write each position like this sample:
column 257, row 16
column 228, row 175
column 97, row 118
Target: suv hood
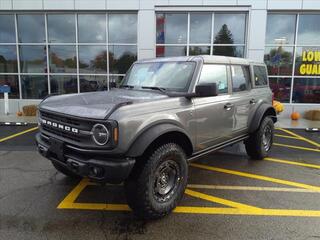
column 98, row 105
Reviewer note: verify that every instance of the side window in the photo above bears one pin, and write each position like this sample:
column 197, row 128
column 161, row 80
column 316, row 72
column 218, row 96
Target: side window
column 260, row 76
column 215, row 74
column 240, row 78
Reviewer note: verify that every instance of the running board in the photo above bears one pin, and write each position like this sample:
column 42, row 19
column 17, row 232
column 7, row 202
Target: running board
column 209, row 150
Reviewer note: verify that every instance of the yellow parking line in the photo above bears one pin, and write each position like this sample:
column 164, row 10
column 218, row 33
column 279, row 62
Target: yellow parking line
column 218, row 200
column 300, row 137
column 250, row 188
column 17, row 134
column 285, row 136
column 255, row 176
column 292, row 163
column 296, row 147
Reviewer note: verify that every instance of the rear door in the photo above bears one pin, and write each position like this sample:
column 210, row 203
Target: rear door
column 242, row 97
column 213, row 120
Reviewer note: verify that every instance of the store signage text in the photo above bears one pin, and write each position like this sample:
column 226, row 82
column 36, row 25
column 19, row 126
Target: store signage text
column 310, row 63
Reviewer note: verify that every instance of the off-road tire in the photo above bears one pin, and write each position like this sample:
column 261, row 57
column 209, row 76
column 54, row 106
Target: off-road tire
column 140, row 187
column 65, row 171
column 254, row 144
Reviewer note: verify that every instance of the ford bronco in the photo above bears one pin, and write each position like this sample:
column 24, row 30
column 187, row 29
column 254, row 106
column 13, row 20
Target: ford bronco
column 165, row 113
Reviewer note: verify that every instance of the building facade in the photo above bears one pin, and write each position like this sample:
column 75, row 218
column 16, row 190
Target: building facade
column 72, row 46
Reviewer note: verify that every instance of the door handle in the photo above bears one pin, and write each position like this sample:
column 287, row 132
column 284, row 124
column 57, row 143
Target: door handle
column 228, row 106
column 252, row 101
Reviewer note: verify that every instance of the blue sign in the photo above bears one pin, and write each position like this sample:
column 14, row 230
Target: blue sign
column 5, row 89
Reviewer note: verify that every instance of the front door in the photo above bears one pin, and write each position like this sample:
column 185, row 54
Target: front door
column 214, row 117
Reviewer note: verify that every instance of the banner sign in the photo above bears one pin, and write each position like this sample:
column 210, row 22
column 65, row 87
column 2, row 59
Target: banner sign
column 310, row 63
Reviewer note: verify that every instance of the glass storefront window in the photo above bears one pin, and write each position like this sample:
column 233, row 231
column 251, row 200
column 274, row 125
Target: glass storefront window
column 199, row 50
column 33, row 59
column 31, row 28
column 61, row 28
column 306, row 90
column 34, row 86
column 122, row 28
column 63, row 84
column 93, row 59
column 280, row 29
column 13, row 82
column 63, row 59
column 229, row 28
column 171, row 51
column 231, row 51
column 7, row 32
column 116, row 79
column 281, row 88
column 309, row 29
column 200, row 25
column 121, row 58
column 92, row 28
column 8, row 59
column 93, row 83
column 172, row 28
column 279, row 60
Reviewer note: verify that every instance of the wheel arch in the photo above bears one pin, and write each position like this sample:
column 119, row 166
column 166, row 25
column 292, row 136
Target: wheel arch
column 262, row 110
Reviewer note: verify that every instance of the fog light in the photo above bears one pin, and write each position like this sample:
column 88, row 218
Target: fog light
column 96, row 171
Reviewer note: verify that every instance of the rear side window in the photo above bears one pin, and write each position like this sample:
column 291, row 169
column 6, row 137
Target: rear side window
column 240, row 78
column 215, row 74
column 260, row 76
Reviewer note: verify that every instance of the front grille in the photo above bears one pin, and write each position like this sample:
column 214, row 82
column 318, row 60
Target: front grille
column 61, row 119
column 61, row 134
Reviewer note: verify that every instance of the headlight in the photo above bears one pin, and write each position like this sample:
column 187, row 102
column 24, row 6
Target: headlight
column 100, row 134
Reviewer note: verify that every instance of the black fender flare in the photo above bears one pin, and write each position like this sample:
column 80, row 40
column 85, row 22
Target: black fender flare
column 259, row 113
column 142, row 142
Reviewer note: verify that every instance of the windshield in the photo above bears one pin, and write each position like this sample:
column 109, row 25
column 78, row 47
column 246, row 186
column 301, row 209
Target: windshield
column 172, row 76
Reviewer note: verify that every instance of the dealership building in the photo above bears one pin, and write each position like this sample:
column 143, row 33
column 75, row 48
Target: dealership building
column 72, row 46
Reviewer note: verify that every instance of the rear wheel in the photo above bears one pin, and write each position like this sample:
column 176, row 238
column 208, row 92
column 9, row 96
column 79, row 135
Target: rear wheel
column 260, row 142
column 64, row 171
column 157, row 185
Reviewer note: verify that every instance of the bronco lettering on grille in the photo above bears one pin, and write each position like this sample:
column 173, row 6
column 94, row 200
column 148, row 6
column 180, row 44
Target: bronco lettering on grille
column 59, row 126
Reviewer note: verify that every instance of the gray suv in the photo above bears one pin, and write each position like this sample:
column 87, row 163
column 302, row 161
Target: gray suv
column 165, row 113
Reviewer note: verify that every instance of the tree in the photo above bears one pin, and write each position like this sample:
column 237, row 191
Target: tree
column 224, row 36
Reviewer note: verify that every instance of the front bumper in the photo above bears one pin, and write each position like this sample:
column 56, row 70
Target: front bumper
column 97, row 167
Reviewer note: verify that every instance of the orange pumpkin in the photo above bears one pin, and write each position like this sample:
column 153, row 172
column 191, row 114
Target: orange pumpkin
column 19, row 114
column 295, row 115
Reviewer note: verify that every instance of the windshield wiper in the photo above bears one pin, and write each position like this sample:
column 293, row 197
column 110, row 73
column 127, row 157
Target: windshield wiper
column 161, row 89
column 126, row 86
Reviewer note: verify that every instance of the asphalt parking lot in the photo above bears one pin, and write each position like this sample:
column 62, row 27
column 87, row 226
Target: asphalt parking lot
column 228, row 196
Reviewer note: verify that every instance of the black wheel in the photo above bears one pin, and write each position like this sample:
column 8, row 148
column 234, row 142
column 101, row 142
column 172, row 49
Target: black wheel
column 157, row 185
column 64, row 171
column 260, row 142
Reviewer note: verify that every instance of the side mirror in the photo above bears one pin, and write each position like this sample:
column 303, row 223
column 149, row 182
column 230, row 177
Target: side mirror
column 206, row 90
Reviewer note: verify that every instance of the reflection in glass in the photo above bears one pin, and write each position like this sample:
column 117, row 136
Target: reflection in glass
column 31, row 28
column 7, row 32
column 199, row 50
column 121, row 58
column 306, row 90
column 8, row 59
column 309, row 29
column 93, row 59
column 116, row 80
column 212, row 73
column 172, row 27
column 280, row 28
column 93, row 83
column 34, row 87
column 63, row 59
column 307, row 61
column 229, row 28
column 281, row 88
column 200, row 27
column 171, row 51
column 63, row 84
column 33, row 59
column 61, row 28
column 122, row 28
column 279, row 60
column 231, row 51
column 13, row 82
column 92, row 28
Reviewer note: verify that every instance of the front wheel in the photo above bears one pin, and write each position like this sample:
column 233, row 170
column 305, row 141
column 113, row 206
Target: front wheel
column 157, row 185
column 260, row 142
